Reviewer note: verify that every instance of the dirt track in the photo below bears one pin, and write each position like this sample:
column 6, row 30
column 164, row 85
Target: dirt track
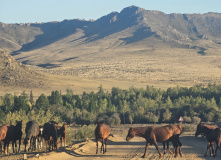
column 118, row 149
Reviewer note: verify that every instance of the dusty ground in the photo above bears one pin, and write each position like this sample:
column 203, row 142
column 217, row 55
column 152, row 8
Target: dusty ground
column 118, row 149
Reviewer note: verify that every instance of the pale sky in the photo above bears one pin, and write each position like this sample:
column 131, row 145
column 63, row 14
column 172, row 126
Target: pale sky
column 31, row 11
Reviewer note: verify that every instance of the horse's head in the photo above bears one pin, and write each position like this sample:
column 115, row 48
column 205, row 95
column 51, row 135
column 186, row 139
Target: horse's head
column 199, row 129
column 19, row 124
column 181, row 129
column 130, row 134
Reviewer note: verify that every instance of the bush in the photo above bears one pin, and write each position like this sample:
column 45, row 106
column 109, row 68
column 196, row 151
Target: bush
column 196, row 120
column 85, row 132
column 187, row 119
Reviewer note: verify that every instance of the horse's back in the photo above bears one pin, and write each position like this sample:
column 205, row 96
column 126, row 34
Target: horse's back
column 49, row 129
column 32, row 129
column 102, row 131
column 163, row 133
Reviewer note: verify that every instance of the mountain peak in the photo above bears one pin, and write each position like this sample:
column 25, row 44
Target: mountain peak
column 132, row 10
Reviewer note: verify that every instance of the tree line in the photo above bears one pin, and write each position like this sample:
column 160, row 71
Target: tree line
column 119, row 106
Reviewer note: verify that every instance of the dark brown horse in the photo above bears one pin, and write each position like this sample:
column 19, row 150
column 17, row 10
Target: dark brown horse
column 14, row 133
column 178, row 129
column 152, row 135
column 102, row 132
column 212, row 135
column 3, row 132
column 50, row 135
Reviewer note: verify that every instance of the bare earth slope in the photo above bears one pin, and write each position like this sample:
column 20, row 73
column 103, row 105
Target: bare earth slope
column 134, row 46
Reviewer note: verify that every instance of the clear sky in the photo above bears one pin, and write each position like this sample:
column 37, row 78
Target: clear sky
column 25, row 11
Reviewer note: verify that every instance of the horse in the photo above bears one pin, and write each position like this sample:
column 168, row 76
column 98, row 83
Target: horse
column 3, row 132
column 212, row 135
column 50, row 135
column 152, row 135
column 62, row 133
column 175, row 141
column 32, row 131
column 102, row 132
column 14, row 133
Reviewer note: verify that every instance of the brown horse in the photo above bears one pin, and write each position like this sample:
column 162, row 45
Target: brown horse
column 62, row 133
column 3, row 132
column 153, row 135
column 212, row 135
column 178, row 129
column 102, row 132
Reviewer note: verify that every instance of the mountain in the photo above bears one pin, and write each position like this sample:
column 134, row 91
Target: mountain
column 132, row 24
column 133, row 45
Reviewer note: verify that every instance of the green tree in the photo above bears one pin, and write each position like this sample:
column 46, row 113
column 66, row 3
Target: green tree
column 55, row 98
column 8, row 102
column 31, row 98
column 167, row 116
column 42, row 102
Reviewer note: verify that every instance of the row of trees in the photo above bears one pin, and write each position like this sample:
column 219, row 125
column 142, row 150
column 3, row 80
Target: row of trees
column 143, row 105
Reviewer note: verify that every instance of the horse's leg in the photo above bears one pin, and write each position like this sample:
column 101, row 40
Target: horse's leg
column 0, row 147
column 61, row 141
column 106, row 144
column 155, row 143
column 102, row 145
column 164, row 149
column 96, row 145
column 5, row 147
column 65, row 140
column 208, row 148
column 213, row 152
column 46, row 142
column 19, row 145
column 145, row 152
column 180, row 145
column 168, row 148
column 13, row 146
column 175, row 146
column 36, row 143
column 218, row 143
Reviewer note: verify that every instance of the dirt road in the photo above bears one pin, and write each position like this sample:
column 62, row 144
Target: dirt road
column 118, row 149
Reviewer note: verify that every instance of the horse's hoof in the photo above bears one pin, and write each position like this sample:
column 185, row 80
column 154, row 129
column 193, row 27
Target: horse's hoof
column 143, row 156
column 181, row 155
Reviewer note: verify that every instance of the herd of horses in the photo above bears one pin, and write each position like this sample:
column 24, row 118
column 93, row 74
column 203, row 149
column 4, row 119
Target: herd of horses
column 50, row 132
column 35, row 134
column 164, row 134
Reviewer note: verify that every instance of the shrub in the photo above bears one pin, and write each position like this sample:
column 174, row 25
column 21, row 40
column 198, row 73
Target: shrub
column 85, row 132
column 187, row 119
column 196, row 120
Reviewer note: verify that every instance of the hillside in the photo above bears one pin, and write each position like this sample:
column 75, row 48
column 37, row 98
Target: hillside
column 135, row 45
column 14, row 73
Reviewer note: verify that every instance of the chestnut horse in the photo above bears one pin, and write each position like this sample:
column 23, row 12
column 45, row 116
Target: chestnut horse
column 102, row 132
column 3, row 132
column 212, row 135
column 153, row 135
column 178, row 129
